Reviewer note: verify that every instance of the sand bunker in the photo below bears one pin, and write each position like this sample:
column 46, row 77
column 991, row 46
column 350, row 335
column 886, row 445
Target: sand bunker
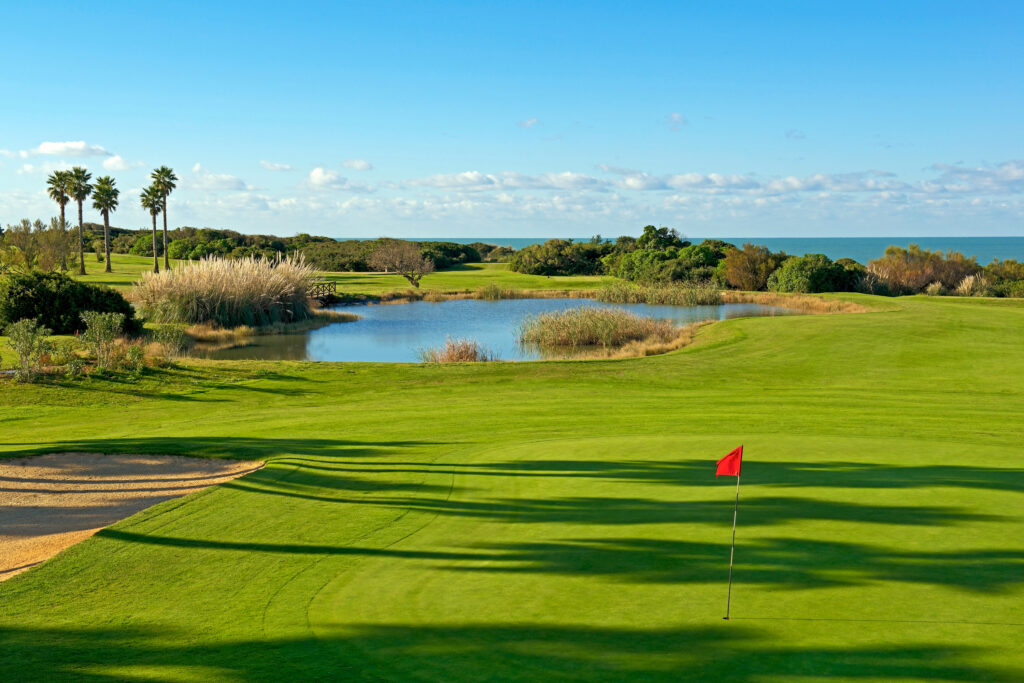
column 50, row 502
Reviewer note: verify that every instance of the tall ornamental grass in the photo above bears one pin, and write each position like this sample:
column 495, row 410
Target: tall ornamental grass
column 664, row 294
column 228, row 292
column 589, row 327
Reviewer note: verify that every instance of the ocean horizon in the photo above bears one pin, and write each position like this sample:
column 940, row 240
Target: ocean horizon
column 861, row 249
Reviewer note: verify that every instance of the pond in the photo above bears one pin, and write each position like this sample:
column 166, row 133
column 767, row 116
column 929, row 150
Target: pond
column 395, row 333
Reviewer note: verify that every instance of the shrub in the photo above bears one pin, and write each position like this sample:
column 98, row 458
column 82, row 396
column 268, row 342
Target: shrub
column 457, row 351
column 750, row 267
column 30, row 342
column 590, row 326
column 134, row 359
column 172, row 339
column 248, row 291
column 57, row 301
column 101, row 332
column 560, row 257
column 64, row 354
column 910, row 270
column 809, row 273
column 935, row 289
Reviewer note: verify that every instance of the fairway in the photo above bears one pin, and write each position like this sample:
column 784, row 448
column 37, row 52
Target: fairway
column 537, row 520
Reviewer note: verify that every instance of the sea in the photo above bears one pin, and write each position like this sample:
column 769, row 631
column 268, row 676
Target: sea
column 861, row 249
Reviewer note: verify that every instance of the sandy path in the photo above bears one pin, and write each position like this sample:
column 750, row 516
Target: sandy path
column 50, row 502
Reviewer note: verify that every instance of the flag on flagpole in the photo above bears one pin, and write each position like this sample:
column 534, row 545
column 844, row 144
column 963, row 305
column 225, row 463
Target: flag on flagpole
column 730, row 464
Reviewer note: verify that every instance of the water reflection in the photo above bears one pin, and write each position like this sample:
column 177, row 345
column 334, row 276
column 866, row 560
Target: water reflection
column 396, row 333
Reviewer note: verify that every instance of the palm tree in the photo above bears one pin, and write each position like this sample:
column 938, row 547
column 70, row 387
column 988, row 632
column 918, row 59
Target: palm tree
column 80, row 189
column 57, row 188
column 165, row 180
column 153, row 201
column 104, row 199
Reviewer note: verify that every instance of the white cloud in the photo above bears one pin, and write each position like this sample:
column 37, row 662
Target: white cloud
column 206, row 181
column 271, row 166
column 528, row 123
column 118, row 163
column 71, row 149
column 358, row 164
column 676, row 120
column 45, row 167
column 321, row 178
column 795, row 134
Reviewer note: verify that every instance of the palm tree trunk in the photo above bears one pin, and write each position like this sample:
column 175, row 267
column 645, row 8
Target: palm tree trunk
column 156, row 258
column 106, row 237
column 81, row 241
column 167, row 262
column 63, row 253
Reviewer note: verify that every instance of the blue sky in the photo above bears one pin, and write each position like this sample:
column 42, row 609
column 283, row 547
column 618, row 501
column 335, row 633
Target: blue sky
column 527, row 119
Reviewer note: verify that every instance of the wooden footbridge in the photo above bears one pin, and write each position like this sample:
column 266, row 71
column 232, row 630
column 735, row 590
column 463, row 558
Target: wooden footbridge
column 322, row 290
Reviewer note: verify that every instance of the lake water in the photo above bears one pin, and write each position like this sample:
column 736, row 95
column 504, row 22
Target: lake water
column 395, row 333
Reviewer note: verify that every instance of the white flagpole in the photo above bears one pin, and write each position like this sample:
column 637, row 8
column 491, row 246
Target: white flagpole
column 732, row 551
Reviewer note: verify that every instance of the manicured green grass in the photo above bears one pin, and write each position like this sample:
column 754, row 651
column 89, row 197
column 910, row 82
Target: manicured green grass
column 534, row 521
column 127, row 268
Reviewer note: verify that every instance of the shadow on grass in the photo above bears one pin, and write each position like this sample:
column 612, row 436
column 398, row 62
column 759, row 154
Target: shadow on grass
column 477, row 652
column 791, row 563
column 240, row 447
column 830, row 474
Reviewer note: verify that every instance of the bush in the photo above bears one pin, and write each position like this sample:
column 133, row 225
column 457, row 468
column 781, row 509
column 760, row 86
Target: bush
column 64, row 354
column 172, row 339
column 935, row 289
column 98, row 249
column 590, row 326
column 810, row 273
column 910, row 270
column 750, row 267
column 101, row 332
column 143, row 246
column 457, row 351
column 57, row 301
column 229, row 293
column 561, row 257
column 30, row 342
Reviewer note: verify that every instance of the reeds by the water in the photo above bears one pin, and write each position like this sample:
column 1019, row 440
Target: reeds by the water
column 593, row 327
column 669, row 294
column 228, row 292
column 803, row 303
column 457, row 351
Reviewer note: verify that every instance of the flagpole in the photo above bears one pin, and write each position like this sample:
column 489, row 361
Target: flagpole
column 732, row 551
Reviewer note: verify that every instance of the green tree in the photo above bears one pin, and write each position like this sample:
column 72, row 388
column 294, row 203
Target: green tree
column 153, row 201
column 79, row 188
column 57, row 187
column 105, row 197
column 165, row 181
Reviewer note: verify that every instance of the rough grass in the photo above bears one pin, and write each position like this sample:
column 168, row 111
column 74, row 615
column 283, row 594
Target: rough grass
column 677, row 294
column 590, row 326
column 227, row 292
column 556, row 520
column 210, row 337
column 805, row 303
column 457, row 351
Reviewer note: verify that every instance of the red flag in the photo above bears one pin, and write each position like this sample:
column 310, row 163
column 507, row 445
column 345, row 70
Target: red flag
column 730, row 464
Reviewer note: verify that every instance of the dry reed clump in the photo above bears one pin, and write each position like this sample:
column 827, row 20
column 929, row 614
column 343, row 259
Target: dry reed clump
column 457, row 351
column 973, row 285
column 228, row 292
column 591, row 327
column 213, row 337
column 802, row 303
column 643, row 348
column 669, row 294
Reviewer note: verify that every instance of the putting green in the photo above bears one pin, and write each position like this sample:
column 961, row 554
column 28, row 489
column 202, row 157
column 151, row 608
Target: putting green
column 559, row 519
